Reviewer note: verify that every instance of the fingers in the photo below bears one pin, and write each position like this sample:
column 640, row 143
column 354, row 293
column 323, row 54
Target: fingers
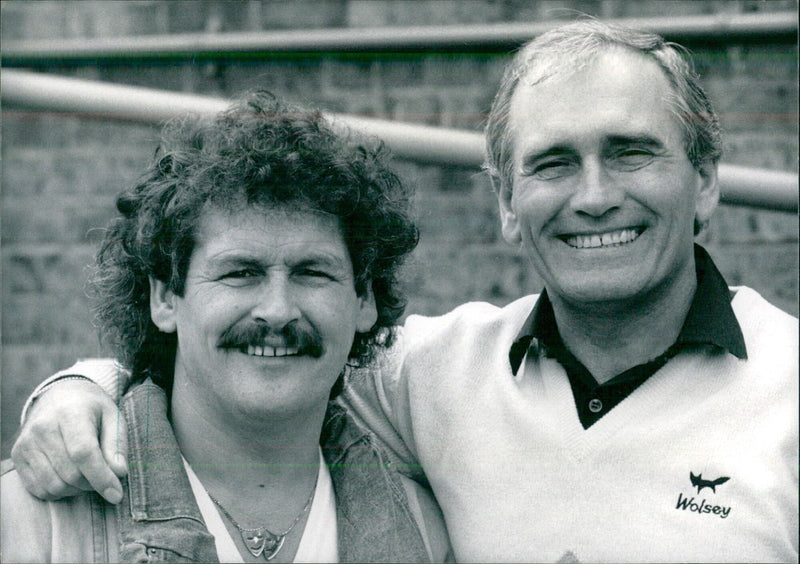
column 58, row 452
column 37, row 470
column 88, row 459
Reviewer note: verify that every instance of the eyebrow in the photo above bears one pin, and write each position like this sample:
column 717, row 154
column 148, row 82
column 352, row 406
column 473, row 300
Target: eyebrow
column 229, row 261
column 322, row 260
column 645, row 140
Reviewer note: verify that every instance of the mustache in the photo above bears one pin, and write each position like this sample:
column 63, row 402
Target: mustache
column 243, row 335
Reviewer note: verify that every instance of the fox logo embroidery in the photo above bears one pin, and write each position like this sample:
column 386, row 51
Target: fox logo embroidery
column 700, row 483
column 693, row 505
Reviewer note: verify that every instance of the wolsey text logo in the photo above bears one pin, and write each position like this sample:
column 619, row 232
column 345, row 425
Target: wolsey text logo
column 701, row 506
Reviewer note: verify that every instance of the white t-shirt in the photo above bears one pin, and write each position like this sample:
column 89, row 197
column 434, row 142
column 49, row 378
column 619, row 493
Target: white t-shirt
column 319, row 541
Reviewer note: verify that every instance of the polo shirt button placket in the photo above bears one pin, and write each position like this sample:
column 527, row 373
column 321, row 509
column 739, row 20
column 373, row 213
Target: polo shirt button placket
column 595, row 405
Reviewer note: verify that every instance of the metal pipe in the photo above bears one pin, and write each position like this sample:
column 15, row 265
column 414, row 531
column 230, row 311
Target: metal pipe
column 40, row 91
column 726, row 27
column 761, row 188
column 758, row 187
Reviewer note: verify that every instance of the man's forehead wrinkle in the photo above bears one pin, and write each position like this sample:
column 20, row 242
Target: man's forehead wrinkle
column 239, row 212
column 256, row 236
column 308, row 251
column 215, row 221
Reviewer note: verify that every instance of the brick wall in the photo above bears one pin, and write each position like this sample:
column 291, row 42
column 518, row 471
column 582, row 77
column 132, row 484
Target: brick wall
column 60, row 173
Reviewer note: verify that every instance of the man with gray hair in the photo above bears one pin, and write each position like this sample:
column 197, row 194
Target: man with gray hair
column 638, row 409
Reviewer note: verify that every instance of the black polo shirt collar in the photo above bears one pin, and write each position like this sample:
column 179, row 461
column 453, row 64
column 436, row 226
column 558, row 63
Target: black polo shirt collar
column 710, row 322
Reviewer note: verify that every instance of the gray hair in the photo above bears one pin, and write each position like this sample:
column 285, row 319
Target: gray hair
column 570, row 47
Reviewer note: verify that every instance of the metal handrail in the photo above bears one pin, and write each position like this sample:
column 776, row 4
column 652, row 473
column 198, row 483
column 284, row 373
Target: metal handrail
column 718, row 27
column 776, row 190
column 53, row 93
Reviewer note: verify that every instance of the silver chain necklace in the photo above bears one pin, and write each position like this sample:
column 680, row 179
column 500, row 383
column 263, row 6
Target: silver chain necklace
column 261, row 540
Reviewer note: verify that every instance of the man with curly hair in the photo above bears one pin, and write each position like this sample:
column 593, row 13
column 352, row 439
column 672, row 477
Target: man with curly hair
column 253, row 262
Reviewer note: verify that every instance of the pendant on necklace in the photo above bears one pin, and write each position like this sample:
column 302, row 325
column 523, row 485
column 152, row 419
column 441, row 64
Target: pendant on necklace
column 261, row 541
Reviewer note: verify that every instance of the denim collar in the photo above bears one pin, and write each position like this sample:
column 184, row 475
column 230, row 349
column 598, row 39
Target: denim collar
column 159, row 517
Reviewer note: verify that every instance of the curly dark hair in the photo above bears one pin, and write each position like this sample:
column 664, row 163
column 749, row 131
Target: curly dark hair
column 265, row 152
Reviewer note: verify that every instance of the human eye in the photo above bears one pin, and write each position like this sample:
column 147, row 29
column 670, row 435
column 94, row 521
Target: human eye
column 315, row 274
column 552, row 169
column 632, row 157
column 239, row 277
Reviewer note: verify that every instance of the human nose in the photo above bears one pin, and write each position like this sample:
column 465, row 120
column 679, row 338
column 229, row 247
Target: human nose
column 276, row 304
column 597, row 192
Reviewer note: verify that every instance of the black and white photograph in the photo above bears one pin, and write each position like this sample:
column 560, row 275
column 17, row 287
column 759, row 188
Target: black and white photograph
column 399, row 281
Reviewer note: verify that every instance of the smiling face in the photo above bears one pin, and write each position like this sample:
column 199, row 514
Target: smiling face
column 604, row 197
column 268, row 314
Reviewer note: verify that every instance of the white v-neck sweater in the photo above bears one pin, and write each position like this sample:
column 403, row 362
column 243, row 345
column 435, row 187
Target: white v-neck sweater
column 519, row 478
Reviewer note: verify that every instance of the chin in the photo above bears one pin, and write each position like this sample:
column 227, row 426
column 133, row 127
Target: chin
column 274, row 408
column 598, row 294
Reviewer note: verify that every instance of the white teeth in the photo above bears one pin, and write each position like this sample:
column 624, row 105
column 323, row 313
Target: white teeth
column 603, row 240
column 271, row 351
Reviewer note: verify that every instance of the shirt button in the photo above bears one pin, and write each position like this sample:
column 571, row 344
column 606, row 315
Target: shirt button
column 595, row 406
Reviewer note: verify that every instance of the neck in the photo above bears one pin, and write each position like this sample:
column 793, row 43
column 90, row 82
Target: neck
column 246, row 455
column 611, row 337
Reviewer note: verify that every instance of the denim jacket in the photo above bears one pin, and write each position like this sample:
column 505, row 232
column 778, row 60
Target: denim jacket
column 381, row 516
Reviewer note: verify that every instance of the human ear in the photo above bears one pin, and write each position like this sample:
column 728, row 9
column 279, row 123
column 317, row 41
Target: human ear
column 367, row 311
column 707, row 196
column 162, row 306
column 508, row 218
